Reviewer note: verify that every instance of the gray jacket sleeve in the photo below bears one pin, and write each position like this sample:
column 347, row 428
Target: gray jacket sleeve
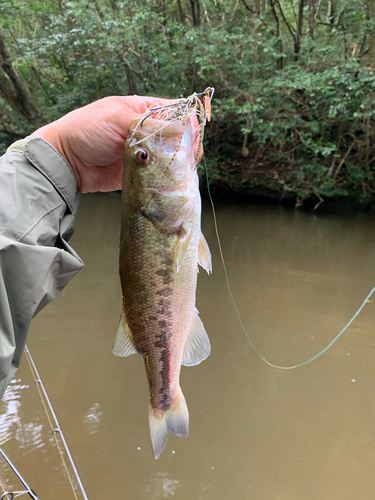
column 38, row 203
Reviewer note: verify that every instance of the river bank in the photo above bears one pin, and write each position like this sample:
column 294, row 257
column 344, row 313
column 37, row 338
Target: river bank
column 271, row 184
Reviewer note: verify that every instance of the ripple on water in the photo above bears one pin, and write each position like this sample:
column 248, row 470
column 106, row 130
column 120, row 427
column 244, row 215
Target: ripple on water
column 162, row 487
column 92, row 418
column 27, row 434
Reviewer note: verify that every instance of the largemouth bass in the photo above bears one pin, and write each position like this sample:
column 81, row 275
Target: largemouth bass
column 161, row 245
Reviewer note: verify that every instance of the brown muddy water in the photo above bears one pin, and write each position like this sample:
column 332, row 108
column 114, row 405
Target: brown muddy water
column 255, row 432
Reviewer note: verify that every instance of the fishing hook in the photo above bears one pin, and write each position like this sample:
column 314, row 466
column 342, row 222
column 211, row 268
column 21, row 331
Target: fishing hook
column 190, row 101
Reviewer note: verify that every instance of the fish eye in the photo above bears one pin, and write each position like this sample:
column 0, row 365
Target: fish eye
column 143, row 156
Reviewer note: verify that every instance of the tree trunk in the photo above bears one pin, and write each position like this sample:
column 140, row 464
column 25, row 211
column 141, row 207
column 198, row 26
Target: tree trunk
column 311, row 16
column 195, row 12
column 257, row 28
column 297, row 40
column 331, row 11
column 279, row 42
column 132, row 89
column 13, row 88
column 369, row 57
column 181, row 14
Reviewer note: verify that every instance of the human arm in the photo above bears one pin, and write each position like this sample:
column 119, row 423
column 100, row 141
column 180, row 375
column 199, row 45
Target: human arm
column 38, row 203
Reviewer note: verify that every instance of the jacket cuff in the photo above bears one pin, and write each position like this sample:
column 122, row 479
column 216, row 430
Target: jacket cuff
column 51, row 164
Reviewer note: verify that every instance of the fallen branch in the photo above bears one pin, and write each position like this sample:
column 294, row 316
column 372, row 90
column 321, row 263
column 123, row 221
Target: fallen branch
column 342, row 161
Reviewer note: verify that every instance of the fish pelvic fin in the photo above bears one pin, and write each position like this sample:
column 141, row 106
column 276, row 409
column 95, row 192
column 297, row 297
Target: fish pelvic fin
column 204, row 254
column 123, row 342
column 197, row 347
column 175, row 420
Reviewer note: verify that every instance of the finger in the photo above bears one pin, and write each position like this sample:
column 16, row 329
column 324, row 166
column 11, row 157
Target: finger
column 131, row 107
column 157, row 101
column 101, row 178
column 140, row 104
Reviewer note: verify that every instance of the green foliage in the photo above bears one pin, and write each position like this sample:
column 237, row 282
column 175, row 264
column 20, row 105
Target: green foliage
column 315, row 122
column 294, row 108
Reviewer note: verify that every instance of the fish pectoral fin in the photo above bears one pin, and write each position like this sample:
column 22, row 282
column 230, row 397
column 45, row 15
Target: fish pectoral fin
column 204, row 255
column 123, row 342
column 181, row 247
column 198, row 346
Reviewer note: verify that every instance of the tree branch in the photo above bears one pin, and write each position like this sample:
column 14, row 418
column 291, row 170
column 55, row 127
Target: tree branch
column 14, row 89
column 343, row 159
column 181, row 13
column 288, row 25
column 247, row 7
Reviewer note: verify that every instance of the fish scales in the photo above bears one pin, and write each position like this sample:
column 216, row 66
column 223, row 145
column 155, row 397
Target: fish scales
column 159, row 302
column 160, row 247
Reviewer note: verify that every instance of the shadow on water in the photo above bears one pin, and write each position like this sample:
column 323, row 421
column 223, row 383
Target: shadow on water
column 256, row 432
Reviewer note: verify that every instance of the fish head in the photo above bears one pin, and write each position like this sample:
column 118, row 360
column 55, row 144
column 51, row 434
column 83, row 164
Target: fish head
column 160, row 154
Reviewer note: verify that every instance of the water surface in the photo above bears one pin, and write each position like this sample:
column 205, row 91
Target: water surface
column 255, row 432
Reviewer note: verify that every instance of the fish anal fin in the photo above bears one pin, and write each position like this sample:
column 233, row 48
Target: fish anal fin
column 204, row 255
column 123, row 342
column 198, row 346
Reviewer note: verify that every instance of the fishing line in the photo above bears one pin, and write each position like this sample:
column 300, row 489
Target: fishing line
column 2, row 487
column 56, row 429
column 238, row 313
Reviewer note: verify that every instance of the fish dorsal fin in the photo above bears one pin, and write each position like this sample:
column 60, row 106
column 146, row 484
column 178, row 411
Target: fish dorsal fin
column 198, row 346
column 123, row 342
column 204, row 254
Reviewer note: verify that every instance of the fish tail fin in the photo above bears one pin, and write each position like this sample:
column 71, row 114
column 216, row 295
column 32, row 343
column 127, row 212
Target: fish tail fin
column 175, row 420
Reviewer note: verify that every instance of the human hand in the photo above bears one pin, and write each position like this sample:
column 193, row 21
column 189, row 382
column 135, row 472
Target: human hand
column 92, row 139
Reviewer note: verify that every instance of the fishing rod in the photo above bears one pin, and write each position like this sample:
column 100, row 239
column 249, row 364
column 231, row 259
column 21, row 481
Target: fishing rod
column 56, row 429
column 9, row 495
